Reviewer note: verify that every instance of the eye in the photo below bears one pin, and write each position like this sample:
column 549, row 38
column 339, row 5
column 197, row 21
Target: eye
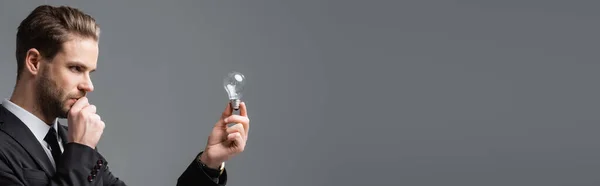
column 75, row 68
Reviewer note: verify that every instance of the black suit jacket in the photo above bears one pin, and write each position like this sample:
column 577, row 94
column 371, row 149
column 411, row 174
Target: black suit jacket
column 24, row 162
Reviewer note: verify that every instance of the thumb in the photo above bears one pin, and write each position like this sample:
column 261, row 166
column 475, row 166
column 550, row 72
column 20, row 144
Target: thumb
column 226, row 113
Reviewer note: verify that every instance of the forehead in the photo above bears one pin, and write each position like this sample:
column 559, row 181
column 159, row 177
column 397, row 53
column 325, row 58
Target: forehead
column 78, row 49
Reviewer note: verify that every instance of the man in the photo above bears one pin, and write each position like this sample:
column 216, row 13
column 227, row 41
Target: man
column 57, row 50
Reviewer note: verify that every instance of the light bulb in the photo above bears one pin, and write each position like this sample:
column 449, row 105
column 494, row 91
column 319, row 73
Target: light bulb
column 234, row 85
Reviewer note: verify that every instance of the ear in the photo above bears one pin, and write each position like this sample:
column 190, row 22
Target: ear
column 33, row 59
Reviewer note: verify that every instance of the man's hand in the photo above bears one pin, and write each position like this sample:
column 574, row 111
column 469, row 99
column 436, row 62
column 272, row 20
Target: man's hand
column 225, row 142
column 85, row 126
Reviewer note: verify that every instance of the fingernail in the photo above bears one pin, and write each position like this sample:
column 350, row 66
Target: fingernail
column 225, row 120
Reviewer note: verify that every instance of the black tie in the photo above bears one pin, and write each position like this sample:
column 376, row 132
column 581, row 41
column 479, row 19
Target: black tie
column 53, row 142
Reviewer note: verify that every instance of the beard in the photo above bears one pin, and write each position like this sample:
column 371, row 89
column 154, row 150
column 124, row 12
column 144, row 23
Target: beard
column 51, row 99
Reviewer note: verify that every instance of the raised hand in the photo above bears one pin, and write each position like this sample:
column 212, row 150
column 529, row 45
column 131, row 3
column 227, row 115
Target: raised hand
column 85, row 126
column 225, row 142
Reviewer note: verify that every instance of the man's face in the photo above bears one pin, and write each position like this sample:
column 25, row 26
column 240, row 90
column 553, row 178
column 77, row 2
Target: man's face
column 66, row 78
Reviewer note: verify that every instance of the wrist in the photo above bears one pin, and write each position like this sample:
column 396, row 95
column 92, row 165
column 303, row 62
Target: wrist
column 206, row 160
column 84, row 143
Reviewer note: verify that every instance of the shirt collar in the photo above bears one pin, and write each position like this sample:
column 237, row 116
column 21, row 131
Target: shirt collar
column 38, row 127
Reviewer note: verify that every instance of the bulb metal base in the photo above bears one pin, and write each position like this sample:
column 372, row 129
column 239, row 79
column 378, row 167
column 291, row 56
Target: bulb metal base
column 235, row 104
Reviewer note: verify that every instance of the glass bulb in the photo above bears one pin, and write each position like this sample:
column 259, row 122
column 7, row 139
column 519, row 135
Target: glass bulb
column 234, row 85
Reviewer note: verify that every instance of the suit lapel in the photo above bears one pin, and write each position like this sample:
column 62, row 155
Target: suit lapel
column 14, row 127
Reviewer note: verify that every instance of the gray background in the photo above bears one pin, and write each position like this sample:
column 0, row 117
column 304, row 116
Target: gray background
column 348, row 92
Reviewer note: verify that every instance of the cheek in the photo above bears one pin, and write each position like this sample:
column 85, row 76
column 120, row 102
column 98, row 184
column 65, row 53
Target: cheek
column 68, row 84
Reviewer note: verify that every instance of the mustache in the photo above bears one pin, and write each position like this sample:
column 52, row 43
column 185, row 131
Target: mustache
column 77, row 96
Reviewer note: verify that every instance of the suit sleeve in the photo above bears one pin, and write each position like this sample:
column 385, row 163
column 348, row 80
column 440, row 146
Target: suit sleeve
column 79, row 165
column 7, row 176
column 195, row 175
column 82, row 165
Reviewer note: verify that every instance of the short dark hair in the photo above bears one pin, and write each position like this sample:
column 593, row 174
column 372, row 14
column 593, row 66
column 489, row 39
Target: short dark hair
column 47, row 27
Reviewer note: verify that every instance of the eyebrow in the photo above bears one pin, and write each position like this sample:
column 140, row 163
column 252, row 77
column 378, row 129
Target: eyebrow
column 80, row 64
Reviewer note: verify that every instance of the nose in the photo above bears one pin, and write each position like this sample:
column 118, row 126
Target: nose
column 87, row 85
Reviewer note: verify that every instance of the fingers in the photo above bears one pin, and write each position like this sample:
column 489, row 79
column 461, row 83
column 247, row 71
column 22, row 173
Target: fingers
column 79, row 104
column 227, row 117
column 237, row 139
column 96, row 117
column 102, row 125
column 245, row 121
column 90, row 109
column 98, row 121
column 243, row 111
column 237, row 128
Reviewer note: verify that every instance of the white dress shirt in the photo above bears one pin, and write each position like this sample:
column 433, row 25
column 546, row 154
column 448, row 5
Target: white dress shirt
column 38, row 127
